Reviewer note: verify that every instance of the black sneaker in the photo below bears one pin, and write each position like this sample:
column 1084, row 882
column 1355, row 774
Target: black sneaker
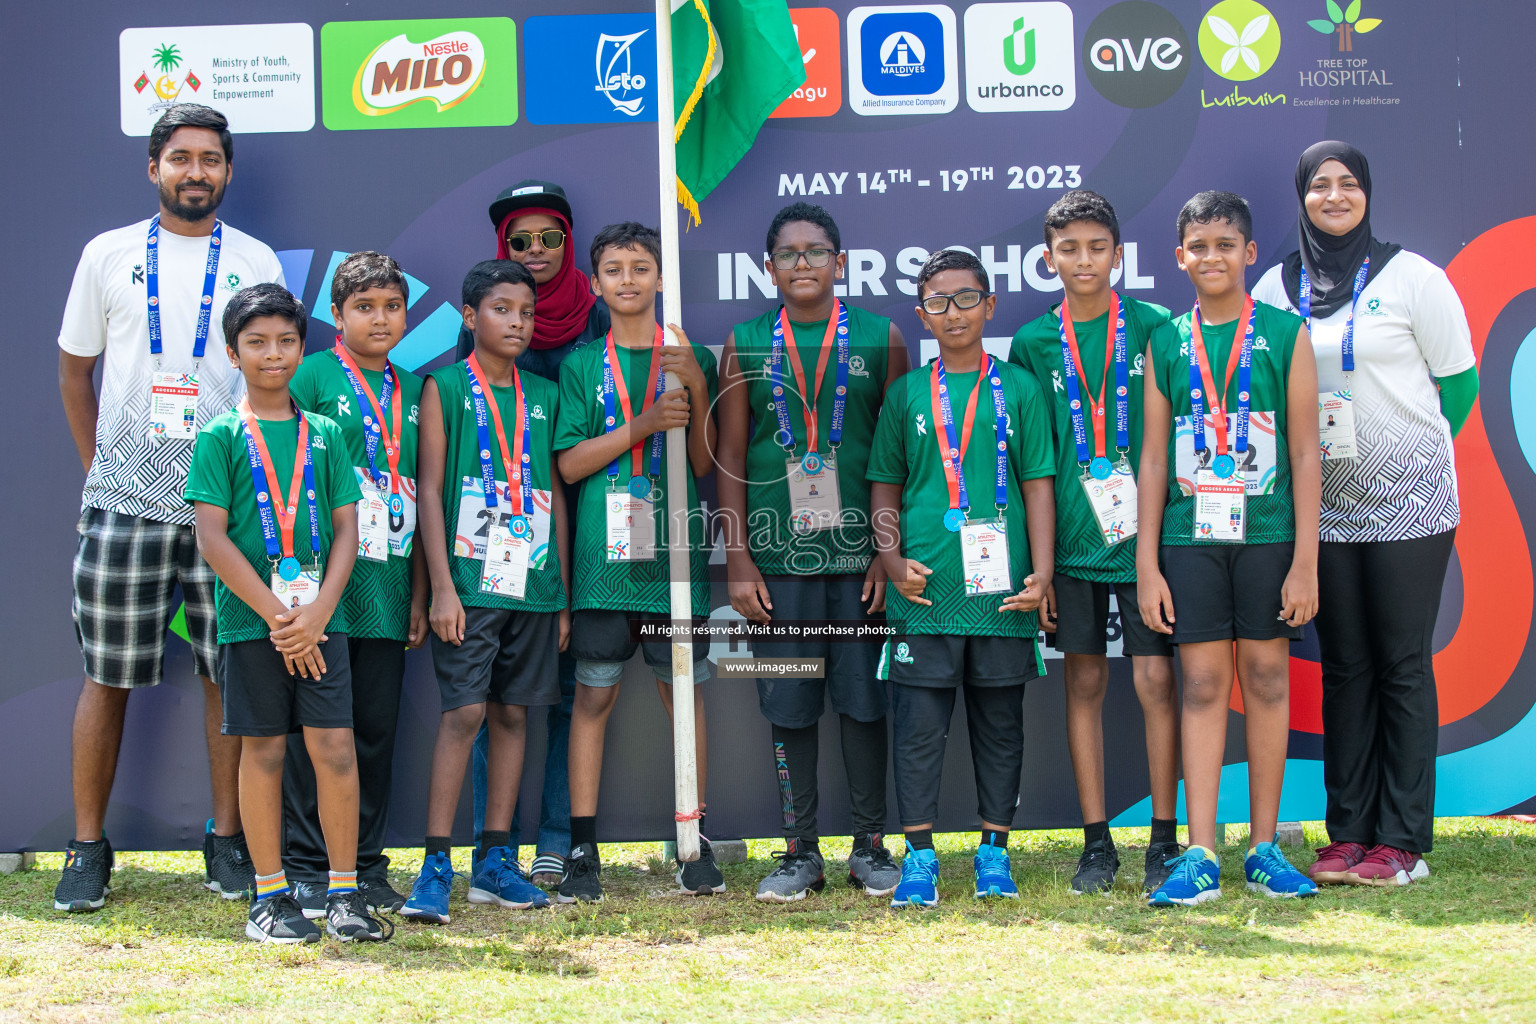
column 87, row 872
column 279, row 919
column 347, row 919
column 872, row 868
column 580, row 878
column 380, row 895
column 310, row 896
column 1158, row 857
column 701, row 877
column 799, row 872
column 227, row 866
column 1096, row 867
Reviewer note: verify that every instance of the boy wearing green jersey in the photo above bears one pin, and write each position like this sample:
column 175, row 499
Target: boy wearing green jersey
column 1226, row 550
column 494, row 533
column 800, row 395
column 614, row 415
column 964, row 514
column 1087, row 355
column 376, row 404
column 277, row 521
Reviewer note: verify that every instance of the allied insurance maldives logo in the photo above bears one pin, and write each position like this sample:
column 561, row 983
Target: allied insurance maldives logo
column 433, row 73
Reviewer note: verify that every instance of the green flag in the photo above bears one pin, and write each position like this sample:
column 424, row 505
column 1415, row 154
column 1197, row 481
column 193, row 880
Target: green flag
column 733, row 63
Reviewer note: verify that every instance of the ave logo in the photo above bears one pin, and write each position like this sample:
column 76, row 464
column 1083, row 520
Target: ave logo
column 1136, row 54
column 1019, row 56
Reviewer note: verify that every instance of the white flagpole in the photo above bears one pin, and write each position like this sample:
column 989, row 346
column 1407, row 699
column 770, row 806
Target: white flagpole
column 685, row 768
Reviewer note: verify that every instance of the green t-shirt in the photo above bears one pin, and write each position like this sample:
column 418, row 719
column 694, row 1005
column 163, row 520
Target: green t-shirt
column 465, row 515
column 1271, row 516
column 906, row 452
column 378, row 597
column 221, row 475
column 1080, row 547
column 625, row 586
column 774, row 546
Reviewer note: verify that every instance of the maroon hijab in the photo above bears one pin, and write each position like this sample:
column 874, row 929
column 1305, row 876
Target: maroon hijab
column 564, row 302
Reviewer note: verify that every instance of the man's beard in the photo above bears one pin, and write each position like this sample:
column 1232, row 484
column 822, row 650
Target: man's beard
column 187, row 211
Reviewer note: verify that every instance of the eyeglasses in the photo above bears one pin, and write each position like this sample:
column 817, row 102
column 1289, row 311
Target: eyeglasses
column 522, row 241
column 969, row 298
column 788, row 259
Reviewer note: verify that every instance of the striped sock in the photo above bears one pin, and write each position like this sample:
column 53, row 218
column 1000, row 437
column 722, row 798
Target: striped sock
column 268, row 886
column 342, row 881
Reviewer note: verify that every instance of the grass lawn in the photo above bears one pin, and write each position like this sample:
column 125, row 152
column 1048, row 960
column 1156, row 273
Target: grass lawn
column 1459, row 946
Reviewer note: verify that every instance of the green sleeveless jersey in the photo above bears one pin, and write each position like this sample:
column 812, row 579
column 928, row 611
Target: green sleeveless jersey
column 847, row 548
column 1266, row 466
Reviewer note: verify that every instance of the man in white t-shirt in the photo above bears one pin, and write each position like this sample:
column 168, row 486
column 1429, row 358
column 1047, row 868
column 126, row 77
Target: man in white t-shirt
column 149, row 298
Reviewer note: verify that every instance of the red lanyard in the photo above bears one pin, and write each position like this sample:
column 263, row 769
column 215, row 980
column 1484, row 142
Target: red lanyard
column 1077, row 357
column 827, row 344
column 1218, row 403
column 623, row 391
column 952, row 459
column 511, row 459
column 286, row 510
column 391, row 437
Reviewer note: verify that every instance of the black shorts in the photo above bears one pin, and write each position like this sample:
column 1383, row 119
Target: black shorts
column 852, row 675
column 262, row 698
column 1083, row 621
column 922, row 659
column 601, row 644
column 507, row 657
column 1227, row 591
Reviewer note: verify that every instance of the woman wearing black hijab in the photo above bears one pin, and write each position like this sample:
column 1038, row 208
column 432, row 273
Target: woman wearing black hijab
column 1397, row 378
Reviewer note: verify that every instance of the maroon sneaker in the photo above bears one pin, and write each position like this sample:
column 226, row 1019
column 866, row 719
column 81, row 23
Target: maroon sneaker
column 1334, row 861
column 1388, row 865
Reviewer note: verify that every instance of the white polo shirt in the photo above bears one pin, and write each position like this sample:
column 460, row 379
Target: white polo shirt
column 1410, row 328
column 108, row 314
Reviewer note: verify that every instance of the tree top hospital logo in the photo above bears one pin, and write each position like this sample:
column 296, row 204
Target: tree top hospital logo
column 1239, row 39
column 592, row 68
column 431, row 73
column 1344, row 22
column 1136, row 54
column 1019, row 56
column 903, row 60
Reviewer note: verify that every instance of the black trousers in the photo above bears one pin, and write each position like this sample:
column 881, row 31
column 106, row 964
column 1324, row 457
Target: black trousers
column 378, row 670
column 995, row 718
column 1377, row 604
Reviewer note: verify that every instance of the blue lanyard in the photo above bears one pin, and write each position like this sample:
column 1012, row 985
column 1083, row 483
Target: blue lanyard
column 786, row 434
column 610, row 411
column 522, row 472
column 1071, row 360
column 1304, row 304
column 152, row 287
column 1198, row 370
column 955, row 456
column 264, row 498
column 371, row 425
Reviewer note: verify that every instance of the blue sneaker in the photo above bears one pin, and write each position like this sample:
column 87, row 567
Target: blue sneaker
column 1268, row 872
column 499, row 880
column 429, row 894
column 919, row 886
column 993, row 875
column 1195, row 877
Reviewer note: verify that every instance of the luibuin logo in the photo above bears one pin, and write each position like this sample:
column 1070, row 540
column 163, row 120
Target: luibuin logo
column 616, row 77
column 1239, row 39
column 1344, row 23
column 1012, row 46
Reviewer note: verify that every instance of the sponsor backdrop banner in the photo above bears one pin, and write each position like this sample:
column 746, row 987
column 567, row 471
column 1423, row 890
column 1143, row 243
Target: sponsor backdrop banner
column 920, row 126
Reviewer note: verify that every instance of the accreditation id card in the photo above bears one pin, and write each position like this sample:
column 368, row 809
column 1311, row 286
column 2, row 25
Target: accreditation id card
column 1221, row 506
column 172, row 406
column 984, row 557
column 373, row 524
column 504, row 572
column 1113, row 500
column 294, row 585
column 1336, row 424
column 631, row 522
column 814, row 502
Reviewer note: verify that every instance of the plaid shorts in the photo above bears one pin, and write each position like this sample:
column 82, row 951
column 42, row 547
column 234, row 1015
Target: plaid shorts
column 126, row 571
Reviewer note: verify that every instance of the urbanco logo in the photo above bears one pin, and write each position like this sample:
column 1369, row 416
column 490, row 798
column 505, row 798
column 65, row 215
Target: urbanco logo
column 1239, row 39
column 902, row 60
column 1136, row 54
column 1018, row 57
